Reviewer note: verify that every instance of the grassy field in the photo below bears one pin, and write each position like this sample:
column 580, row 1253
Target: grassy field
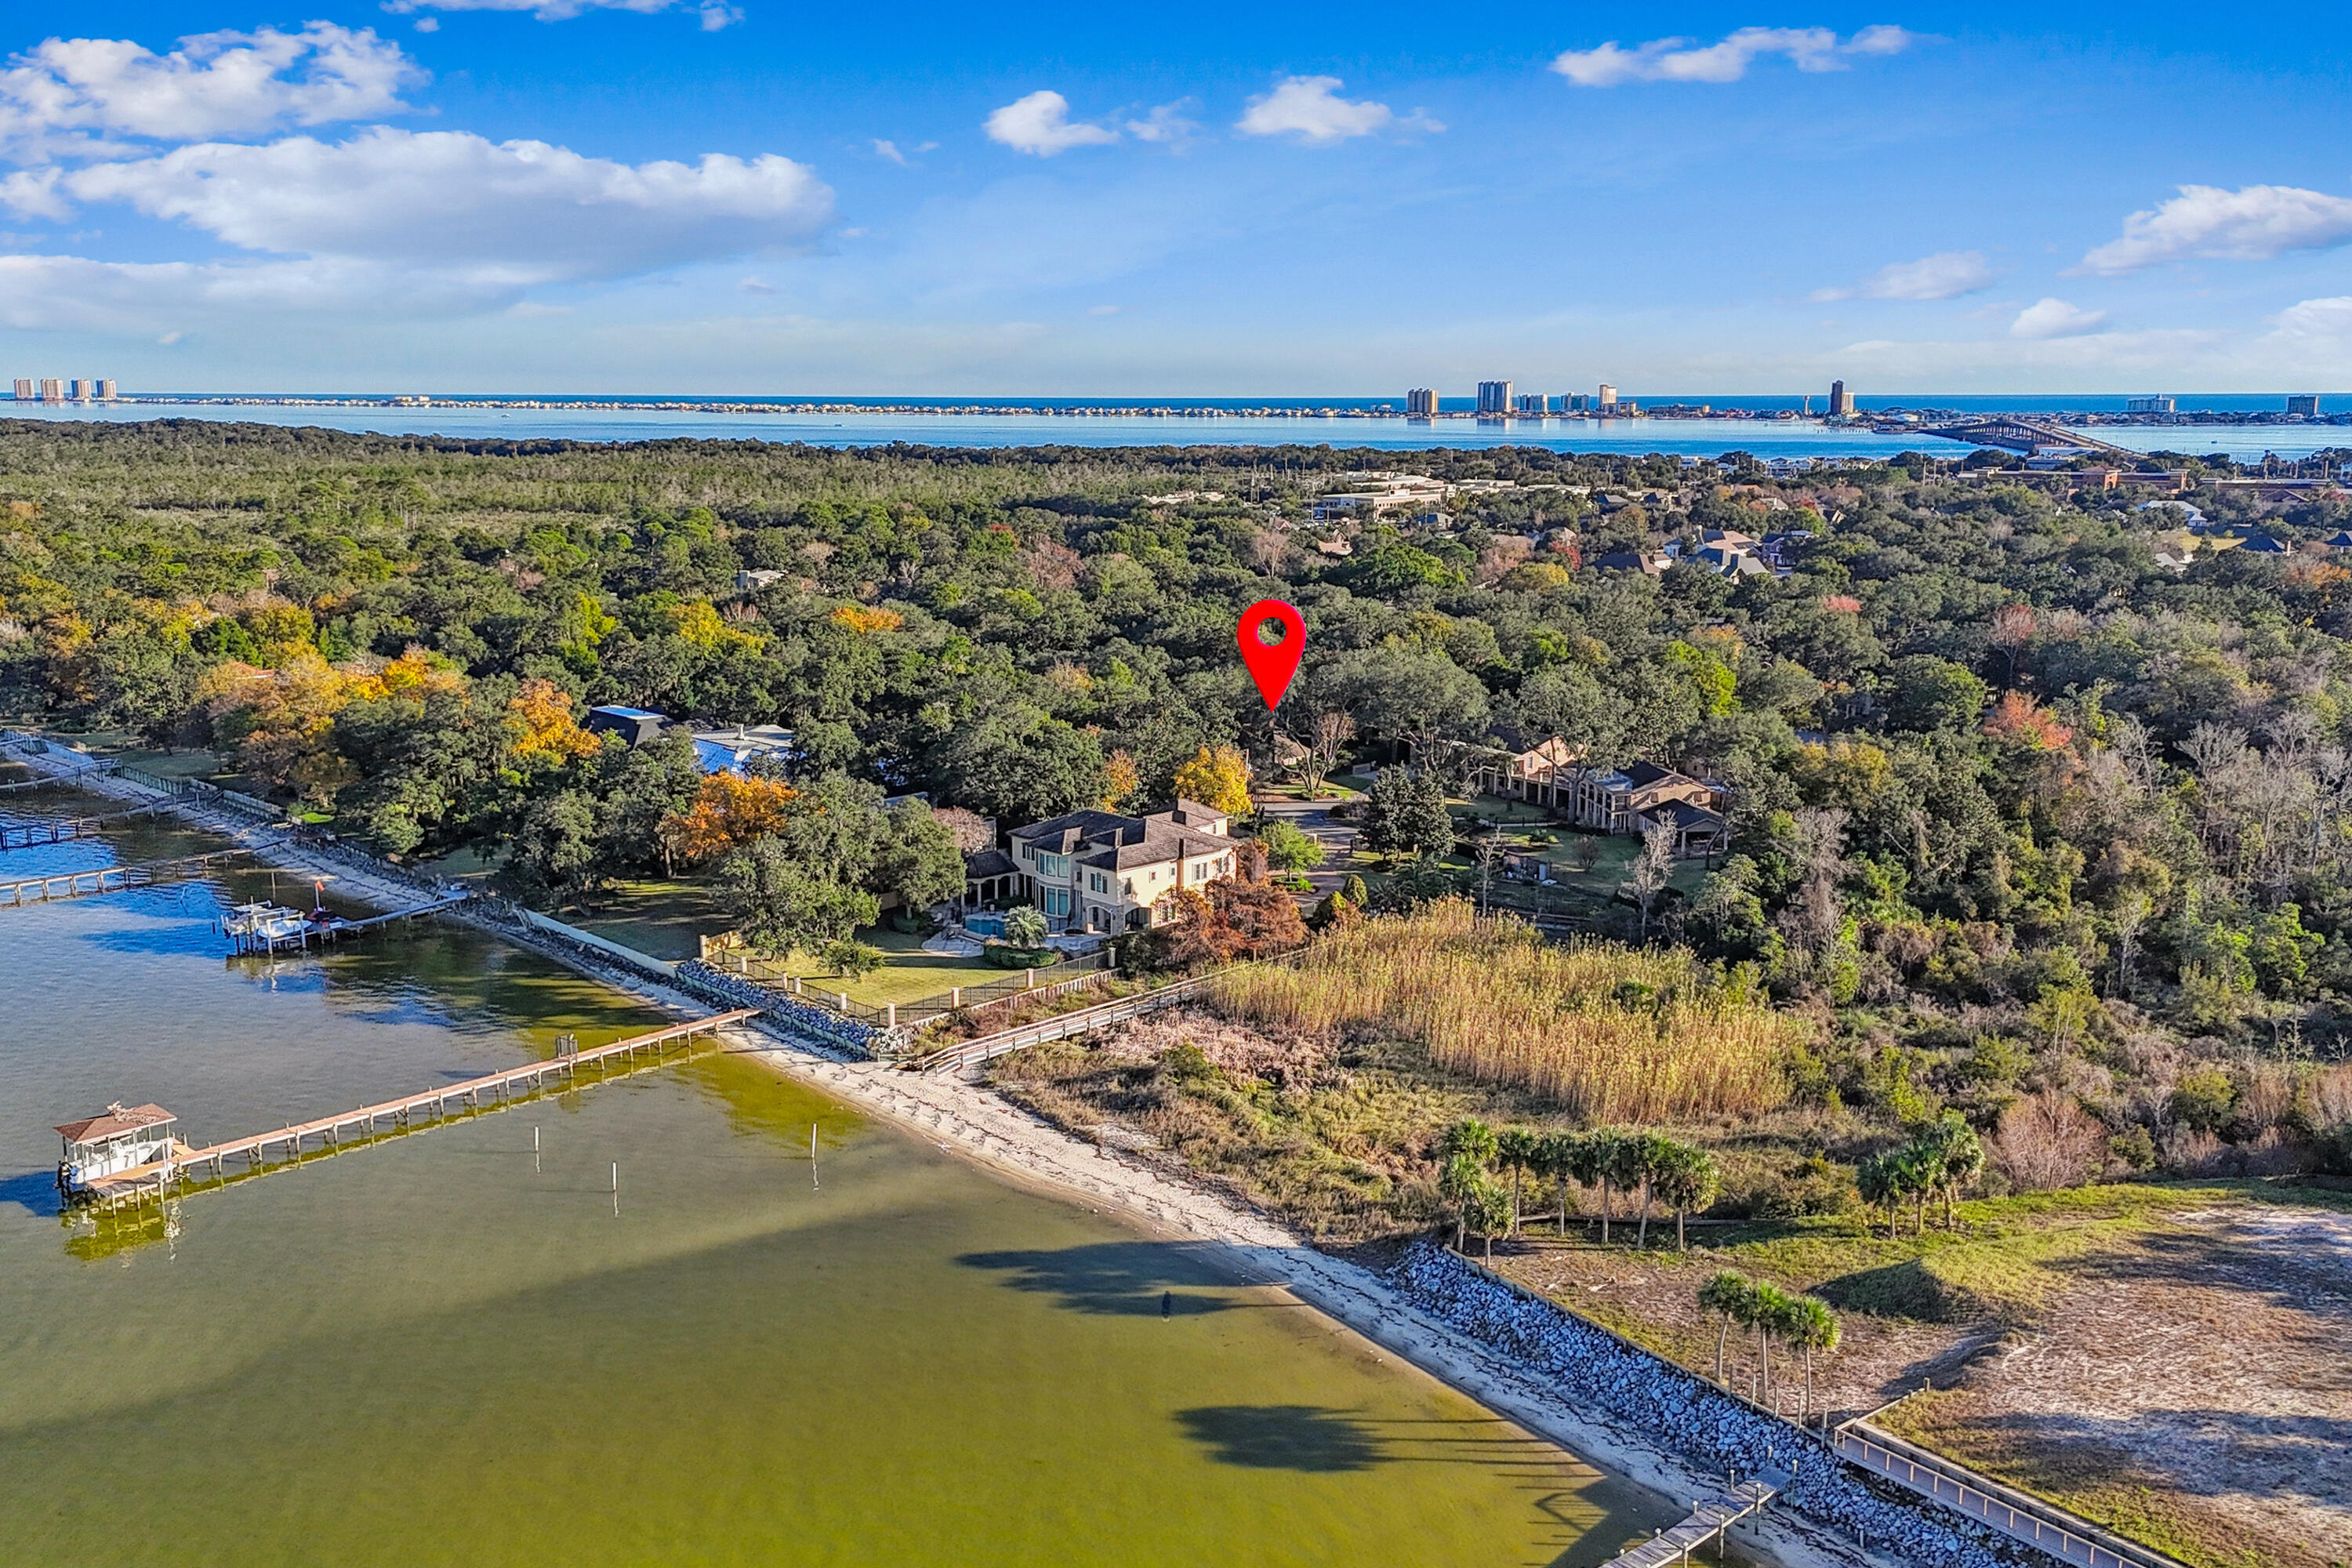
column 908, row 972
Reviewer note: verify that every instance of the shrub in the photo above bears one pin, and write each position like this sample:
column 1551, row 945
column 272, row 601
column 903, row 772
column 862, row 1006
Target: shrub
column 1492, row 1000
column 2204, row 1099
column 1288, row 847
column 2047, row 1142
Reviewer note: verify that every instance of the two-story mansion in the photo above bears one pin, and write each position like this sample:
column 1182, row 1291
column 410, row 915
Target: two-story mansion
column 1099, row 871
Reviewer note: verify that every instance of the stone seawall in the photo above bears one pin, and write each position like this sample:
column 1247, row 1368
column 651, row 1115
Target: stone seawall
column 1712, row 1428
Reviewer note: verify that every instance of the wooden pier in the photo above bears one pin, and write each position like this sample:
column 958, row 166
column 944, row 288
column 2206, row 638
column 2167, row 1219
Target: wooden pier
column 66, row 829
column 263, row 941
column 110, row 879
column 371, row 1122
column 1709, row 1520
column 42, row 781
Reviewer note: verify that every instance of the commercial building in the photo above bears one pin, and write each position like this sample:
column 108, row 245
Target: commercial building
column 1841, row 401
column 1574, row 402
column 1531, row 404
column 106, row 391
column 2148, row 405
column 2304, row 402
column 52, row 389
column 84, row 389
column 1494, row 397
column 1608, row 398
column 1422, row 402
column 24, row 389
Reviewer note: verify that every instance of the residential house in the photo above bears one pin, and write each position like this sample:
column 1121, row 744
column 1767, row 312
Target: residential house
column 1099, row 871
column 734, row 751
column 1524, row 768
column 1633, row 800
column 635, row 726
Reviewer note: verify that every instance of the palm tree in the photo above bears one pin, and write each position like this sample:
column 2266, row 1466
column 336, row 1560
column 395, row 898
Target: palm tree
column 1920, row 1169
column 1958, row 1155
column 1768, row 1315
column 1460, row 1181
column 1731, row 1298
column 1628, row 1159
column 1559, row 1163
column 1685, row 1180
column 1518, row 1150
column 1587, row 1159
column 1656, row 1153
column 1489, row 1210
column 1875, row 1179
column 1468, row 1136
column 1811, row 1325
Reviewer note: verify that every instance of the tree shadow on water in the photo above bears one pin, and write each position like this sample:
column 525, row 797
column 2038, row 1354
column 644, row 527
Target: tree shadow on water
column 1116, row 1279
column 1305, row 1438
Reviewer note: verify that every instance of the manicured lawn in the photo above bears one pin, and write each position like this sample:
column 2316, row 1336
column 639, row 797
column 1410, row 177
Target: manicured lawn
column 908, row 972
column 663, row 919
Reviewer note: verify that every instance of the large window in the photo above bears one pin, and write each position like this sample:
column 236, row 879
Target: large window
column 1052, row 865
column 1057, row 902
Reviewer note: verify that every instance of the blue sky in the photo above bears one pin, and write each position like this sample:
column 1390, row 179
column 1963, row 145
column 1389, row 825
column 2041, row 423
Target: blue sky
column 741, row 196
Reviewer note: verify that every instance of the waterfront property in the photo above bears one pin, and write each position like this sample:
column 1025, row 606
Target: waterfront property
column 1099, row 871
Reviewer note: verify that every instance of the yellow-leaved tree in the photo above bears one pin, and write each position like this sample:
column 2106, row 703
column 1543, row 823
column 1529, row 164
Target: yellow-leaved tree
column 540, row 728
column 1218, row 778
column 731, row 810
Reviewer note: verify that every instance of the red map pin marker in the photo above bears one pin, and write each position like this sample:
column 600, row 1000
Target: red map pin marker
column 1272, row 664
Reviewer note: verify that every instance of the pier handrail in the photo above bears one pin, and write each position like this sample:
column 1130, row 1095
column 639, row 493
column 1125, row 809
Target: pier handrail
column 156, row 1176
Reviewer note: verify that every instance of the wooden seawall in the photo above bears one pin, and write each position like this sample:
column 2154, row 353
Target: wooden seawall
column 156, row 1181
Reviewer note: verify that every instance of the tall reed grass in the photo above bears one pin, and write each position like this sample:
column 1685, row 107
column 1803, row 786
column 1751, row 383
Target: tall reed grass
column 1609, row 1033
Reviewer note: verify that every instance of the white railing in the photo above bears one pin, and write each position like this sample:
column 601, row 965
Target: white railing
column 2013, row 1513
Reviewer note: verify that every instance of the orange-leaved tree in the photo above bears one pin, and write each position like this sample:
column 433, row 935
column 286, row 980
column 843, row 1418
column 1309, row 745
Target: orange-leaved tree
column 732, row 811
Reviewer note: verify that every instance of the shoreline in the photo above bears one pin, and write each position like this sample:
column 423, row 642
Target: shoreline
column 1010, row 1144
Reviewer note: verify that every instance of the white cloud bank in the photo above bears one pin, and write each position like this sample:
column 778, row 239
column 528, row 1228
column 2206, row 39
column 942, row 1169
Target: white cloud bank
column 393, row 221
column 714, row 13
column 2055, row 319
column 2249, row 225
column 1040, row 125
column 67, row 94
column 1310, row 108
column 1677, row 60
column 1947, row 274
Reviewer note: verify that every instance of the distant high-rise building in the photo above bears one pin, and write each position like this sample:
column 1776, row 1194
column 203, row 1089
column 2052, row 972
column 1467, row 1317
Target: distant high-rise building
column 84, row 389
column 2147, row 405
column 1608, row 398
column 2304, row 402
column 24, row 389
column 106, row 391
column 1421, row 402
column 1841, row 401
column 1494, row 397
column 52, row 389
column 1574, row 403
column 1531, row 404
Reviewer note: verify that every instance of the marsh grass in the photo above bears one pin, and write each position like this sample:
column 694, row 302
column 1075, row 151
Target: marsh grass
column 1608, row 1033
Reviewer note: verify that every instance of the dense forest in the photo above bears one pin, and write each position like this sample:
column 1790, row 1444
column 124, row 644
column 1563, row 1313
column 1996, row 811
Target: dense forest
column 2020, row 810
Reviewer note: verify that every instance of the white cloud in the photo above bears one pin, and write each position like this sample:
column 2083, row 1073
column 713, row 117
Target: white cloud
column 1166, row 122
column 2055, row 319
column 889, row 150
column 1947, row 274
column 215, row 84
column 2314, row 330
column 1676, row 60
column 447, row 218
column 714, row 13
column 1041, row 124
column 2249, row 225
column 75, row 294
column 1310, row 108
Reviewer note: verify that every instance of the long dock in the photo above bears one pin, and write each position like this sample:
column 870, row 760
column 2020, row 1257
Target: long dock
column 1709, row 1520
column 66, row 829
column 41, row 781
column 110, row 879
column 156, row 1181
column 262, row 944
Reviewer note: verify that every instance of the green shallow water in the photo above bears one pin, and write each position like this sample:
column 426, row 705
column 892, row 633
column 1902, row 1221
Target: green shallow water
column 444, row 1349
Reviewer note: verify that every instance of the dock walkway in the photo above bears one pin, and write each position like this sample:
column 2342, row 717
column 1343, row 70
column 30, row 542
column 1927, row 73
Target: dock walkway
column 1709, row 1520
column 66, row 829
column 60, row 885
column 155, row 1180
